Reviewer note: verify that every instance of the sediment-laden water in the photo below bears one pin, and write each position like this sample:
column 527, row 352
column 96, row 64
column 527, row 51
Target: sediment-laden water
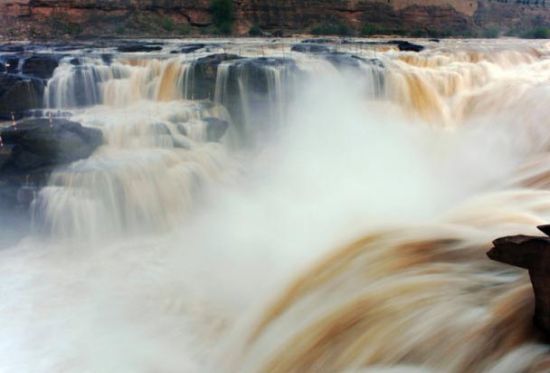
column 262, row 207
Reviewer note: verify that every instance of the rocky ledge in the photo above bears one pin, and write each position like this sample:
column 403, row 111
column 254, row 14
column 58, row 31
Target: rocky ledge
column 22, row 82
column 531, row 253
column 31, row 149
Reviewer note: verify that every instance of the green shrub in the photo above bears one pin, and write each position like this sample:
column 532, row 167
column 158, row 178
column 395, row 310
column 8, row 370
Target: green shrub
column 183, row 29
column 167, row 24
column 255, row 30
column 332, row 28
column 60, row 26
column 73, row 29
column 369, row 30
column 222, row 15
column 537, row 33
column 491, row 32
column 120, row 29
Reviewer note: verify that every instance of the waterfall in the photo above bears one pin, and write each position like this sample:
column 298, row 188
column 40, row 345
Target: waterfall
column 254, row 208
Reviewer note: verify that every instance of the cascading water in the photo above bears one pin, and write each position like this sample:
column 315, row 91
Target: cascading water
column 340, row 224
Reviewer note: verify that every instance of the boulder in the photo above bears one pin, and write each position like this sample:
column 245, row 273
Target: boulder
column 38, row 144
column 531, row 253
column 40, row 65
column 32, row 150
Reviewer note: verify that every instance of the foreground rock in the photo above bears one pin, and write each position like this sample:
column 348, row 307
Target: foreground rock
column 33, row 149
column 19, row 94
column 40, row 65
column 533, row 254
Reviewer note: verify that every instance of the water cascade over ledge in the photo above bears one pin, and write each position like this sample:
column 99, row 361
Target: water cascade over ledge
column 281, row 207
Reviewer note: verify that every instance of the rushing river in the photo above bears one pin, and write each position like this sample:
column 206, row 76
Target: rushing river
column 339, row 225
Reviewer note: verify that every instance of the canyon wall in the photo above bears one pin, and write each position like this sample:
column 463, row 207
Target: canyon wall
column 139, row 18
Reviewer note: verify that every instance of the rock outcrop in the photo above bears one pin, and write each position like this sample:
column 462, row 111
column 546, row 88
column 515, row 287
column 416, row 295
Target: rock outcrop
column 533, row 254
column 58, row 18
column 203, row 73
column 22, row 82
column 32, row 149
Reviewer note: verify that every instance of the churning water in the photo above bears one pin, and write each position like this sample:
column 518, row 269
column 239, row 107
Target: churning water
column 340, row 225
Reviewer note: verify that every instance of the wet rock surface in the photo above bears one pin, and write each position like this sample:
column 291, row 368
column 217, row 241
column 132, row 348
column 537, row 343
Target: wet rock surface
column 19, row 94
column 33, row 148
column 22, row 82
column 202, row 84
column 407, row 46
column 139, row 47
column 40, row 65
column 189, row 48
column 531, row 253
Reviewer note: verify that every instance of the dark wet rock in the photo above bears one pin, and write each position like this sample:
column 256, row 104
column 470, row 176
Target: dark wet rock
column 343, row 59
column 248, row 89
column 254, row 75
column 188, row 48
column 340, row 59
column 107, row 58
column 68, row 47
column 83, row 93
column 203, row 73
column 347, row 61
column 139, row 47
column 402, row 45
column 318, row 41
column 15, row 48
column 41, row 65
column 41, row 143
column 215, row 129
column 32, row 150
column 533, row 254
column 9, row 64
column 310, row 48
column 407, row 46
column 435, row 40
column 18, row 95
column 75, row 61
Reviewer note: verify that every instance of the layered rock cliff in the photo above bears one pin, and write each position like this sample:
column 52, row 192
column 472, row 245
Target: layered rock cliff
column 88, row 18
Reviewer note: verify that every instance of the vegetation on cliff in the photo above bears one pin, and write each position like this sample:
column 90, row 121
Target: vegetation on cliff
column 223, row 16
column 150, row 18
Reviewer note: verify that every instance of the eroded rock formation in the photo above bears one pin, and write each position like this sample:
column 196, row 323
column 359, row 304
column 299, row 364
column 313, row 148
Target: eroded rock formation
column 53, row 18
column 533, row 254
